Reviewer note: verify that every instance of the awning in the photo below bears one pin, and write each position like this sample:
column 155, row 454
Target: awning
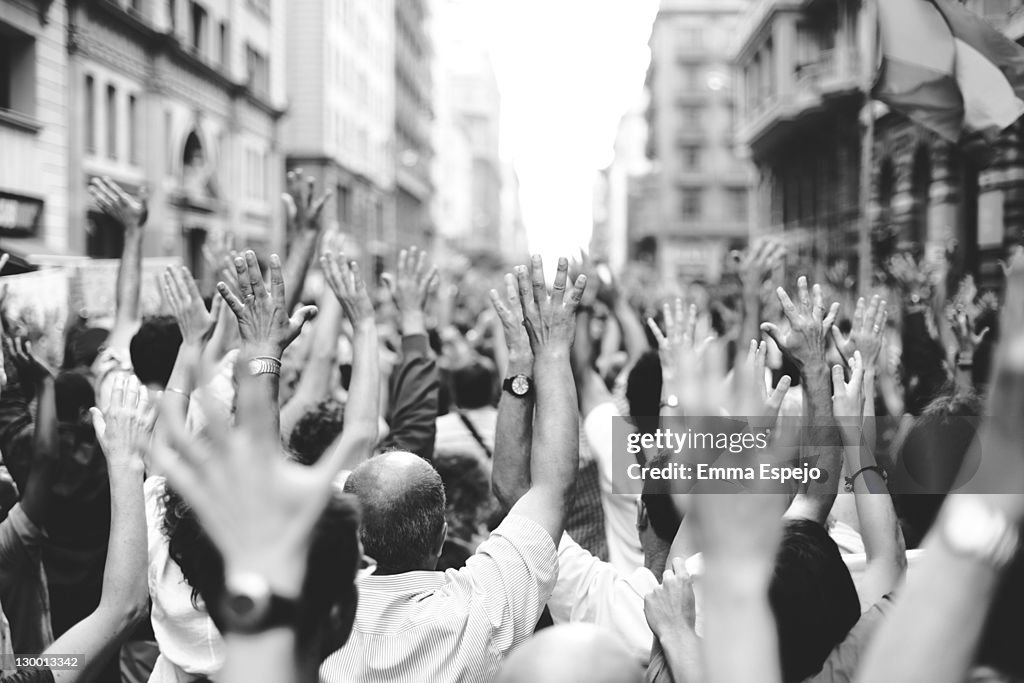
column 27, row 253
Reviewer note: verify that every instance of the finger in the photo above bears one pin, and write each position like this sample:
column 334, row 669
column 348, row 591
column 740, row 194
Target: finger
column 981, row 336
column 512, row 293
column 803, row 294
column 389, row 282
column 690, row 332
column 558, row 288
column 773, row 331
column 869, row 315
column 433, row 282
column 857, row 371
column 788, row 308
column 99, row 425
column 233, row 302
column 525, row 290
column 190, row 284
column 671, row 329
column 277, row 282
column 778, row 394
column 259, row 288
column 540, row 288
column 501, row 309
column 576, row 295
column 817, row 303
column 858, row 314
column 678, row 566
column 656, row 331
column 833, row 313
column 883, row 314
column 421, row 264
column 318, row 206
column 242, row 275
column 302, row 316
column 403, row 256
column 838, row 381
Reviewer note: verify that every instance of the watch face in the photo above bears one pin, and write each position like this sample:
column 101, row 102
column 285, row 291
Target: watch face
column 520, row 385
column 246, row 602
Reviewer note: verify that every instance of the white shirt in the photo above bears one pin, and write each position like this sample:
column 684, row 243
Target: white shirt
column 624, row 552
column 453, row 626
column 594, row 592
column 454, row 437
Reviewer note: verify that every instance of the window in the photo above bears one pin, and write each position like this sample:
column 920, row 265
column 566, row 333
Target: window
column 692, row 199
column 17, row 72
column 90, row 115
column 738, row 207
column 257, row 72
column 691, row 157
column 197, row 37
column 111, row 122
column 133, row 130
column 691, row 118
column 225, row 47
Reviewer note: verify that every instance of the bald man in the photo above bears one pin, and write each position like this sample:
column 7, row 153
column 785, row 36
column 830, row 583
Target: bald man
column 571, row 653
column 417, row 624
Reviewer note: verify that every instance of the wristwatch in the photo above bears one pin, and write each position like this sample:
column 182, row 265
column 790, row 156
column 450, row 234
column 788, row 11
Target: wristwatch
column 249, row 606
column 670, row 401
column 519, row 386
column 974, row 530
column 264, row 365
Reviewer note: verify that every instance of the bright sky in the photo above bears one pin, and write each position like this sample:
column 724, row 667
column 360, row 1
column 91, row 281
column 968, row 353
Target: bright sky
column 567, row 70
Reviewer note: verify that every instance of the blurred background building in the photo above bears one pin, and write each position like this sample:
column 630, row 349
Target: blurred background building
column 341, row 123
column 414, row 119
column 700, row 187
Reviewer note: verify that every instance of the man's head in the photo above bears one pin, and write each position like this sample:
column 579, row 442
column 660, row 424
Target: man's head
column 813, row 598
column 73, row 395
column 154, row 348
column 570, row 653
column 402, row 500
column 316, row 430
column 473, row 384
column 643, row 391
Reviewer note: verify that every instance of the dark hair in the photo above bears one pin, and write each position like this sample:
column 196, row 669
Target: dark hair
column 399, row 531
column 316, row 430
column 82, row 345
column 999, row 647
column 813, row 598
column 154, row 348
column 661, row 512
column 643, row 391
column 73, row 394
column 329, row 593
column 473, row 384
column 467, row 491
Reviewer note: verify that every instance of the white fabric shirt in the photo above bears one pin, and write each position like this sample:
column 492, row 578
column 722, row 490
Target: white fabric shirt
column 624, row 552
column 594, row 592
column 452, row 626
column 190, row 645
column 454, row 437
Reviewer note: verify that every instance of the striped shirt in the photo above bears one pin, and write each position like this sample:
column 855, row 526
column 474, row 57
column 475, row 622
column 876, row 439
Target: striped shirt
column 453, row 626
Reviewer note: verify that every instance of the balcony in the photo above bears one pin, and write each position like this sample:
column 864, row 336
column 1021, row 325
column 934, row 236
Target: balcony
column 831, row 79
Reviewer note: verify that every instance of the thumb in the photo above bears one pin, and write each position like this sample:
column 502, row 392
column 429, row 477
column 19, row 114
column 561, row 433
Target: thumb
column 99, row 424
column 774, row 332
column 304, row 315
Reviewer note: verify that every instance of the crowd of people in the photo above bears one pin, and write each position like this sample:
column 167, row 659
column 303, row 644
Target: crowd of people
column 307, row 474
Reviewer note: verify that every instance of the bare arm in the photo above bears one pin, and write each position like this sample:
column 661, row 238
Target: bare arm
column 554, row 459
column 304, row 222
column 510, row 468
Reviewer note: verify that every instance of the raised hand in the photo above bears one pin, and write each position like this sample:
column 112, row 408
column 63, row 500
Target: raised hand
column 182, row 295
column 810, row 324
column 30, row 369
column 302, row 207
column 671, row 605
column 263, row 321
column 347, row 283
column 510, row 313
column 867, row 333
column 847, row 397
column 757, row 262
column 770, row 402
column 550, row 320
column 680, row 332
column 124, row 430
column 961, row 314
column 129, row 211
column 412, row 287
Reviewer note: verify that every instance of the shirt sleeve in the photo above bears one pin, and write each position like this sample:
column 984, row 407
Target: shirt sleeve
column 20, row 541
column 598, row 429
column 842, row 662
column 29, row 676
column 413, row 412
column 512, row 576
column 594, row 592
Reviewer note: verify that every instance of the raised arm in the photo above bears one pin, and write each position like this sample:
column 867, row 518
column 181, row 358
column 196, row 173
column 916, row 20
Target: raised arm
column 414, row 386
column 306, row 225
column 359, row 434
column 35, row 499
column 753, row 266
column 806, row 343
column 510, row 469
column 130, row 212
column 550, row 323
column 123, row 433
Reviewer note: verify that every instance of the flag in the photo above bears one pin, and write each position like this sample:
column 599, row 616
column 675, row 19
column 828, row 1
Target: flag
column 948, row 69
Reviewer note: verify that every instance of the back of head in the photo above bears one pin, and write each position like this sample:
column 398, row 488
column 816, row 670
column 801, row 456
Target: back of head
column 154, row 349
column 643, row 391
column 570, row 653
column 662, row 514
column 813, row 598
column 402, row 501
column 467, row 491
column 474, row 384
column 82, row 346
column 316, row 430
column 74, row 396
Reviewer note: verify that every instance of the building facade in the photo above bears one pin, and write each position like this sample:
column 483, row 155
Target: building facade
column 414, row 120
column 467, row 157
column 801, row 119
column 179, row 99
column 703, row 188
column 340, row 127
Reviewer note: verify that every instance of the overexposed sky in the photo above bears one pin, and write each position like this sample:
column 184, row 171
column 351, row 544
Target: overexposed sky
column 567, row 70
